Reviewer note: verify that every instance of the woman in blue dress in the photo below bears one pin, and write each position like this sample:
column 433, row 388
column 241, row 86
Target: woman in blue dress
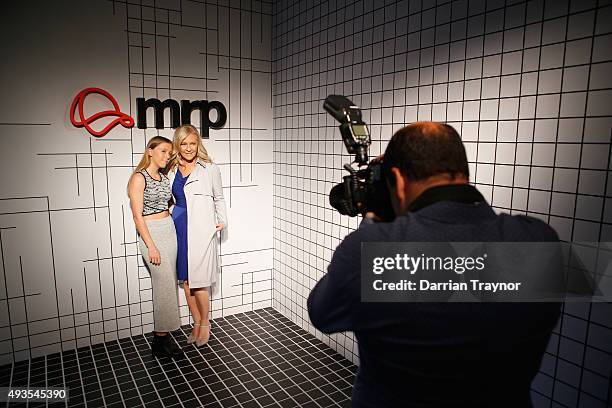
column 199, row 213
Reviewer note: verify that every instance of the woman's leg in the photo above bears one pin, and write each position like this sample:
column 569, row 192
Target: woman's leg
column 193, row 309
column 163, row 283
column 203, row 303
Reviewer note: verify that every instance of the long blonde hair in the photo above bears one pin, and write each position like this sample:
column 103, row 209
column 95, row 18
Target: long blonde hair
column 181, row 134
column 146, row 159
column 152, row 144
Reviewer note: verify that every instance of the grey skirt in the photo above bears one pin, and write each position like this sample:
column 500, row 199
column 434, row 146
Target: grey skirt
column 166, row 316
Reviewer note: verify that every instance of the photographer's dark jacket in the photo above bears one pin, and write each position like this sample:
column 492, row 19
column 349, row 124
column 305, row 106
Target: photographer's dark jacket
column 438, row 354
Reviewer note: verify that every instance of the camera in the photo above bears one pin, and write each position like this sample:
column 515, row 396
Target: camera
column 364, row 189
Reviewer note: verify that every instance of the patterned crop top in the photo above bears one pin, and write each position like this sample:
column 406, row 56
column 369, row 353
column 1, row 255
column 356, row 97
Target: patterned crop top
column 157, row 194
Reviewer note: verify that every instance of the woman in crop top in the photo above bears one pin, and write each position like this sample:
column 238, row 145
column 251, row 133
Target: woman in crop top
column 149, row 192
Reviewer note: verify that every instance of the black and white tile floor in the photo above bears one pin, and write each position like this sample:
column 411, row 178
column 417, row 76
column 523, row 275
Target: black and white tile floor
column 253, row 359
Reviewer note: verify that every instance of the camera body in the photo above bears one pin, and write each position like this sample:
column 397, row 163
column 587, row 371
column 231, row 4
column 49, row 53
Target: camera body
column 363, row 190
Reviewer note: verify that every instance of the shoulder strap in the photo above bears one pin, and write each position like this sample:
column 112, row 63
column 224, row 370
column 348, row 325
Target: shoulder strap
column 144, row 176
column 141, row 172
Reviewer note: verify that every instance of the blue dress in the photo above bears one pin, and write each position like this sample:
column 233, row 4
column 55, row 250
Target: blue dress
column 179, row 216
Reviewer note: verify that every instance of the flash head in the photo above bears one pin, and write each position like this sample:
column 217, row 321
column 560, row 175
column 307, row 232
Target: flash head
column 353, row 129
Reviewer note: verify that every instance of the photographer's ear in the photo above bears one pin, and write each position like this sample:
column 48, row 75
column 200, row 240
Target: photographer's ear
column 398, row 190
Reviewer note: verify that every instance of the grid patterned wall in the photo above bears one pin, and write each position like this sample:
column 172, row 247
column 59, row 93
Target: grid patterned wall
column 72, row 274
column 527, row 84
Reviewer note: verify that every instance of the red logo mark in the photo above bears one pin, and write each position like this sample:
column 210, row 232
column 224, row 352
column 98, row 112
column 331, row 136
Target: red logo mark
column 120, row 117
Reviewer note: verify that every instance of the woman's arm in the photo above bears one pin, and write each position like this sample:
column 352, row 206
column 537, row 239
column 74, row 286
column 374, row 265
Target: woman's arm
column 136, row 188
column 217, row 190
column 171, row 202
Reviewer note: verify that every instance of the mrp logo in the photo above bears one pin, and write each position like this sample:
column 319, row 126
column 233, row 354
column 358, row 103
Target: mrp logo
column 179, row 114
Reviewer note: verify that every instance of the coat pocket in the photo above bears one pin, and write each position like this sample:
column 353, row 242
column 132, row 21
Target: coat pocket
column 202, row 195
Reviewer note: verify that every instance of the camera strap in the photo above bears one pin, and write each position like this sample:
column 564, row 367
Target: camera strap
column 463, row 193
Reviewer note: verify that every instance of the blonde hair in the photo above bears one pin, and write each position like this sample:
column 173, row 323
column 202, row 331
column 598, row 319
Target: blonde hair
column 152, row 144
column 180, row 134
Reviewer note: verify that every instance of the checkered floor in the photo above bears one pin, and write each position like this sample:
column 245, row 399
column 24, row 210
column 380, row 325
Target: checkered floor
column 254, row 359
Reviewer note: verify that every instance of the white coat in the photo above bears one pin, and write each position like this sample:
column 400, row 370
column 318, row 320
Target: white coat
column 205, row 209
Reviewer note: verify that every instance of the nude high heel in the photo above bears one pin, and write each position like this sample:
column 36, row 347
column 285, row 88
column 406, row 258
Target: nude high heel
column 202, row 340
column 192, row 339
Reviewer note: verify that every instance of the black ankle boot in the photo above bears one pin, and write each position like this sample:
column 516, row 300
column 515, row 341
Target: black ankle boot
column 172, row 347
column 164, row 346
column 157, row 348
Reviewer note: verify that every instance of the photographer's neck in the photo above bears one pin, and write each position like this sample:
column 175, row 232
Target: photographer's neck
column 408, row 191
column 416, row 188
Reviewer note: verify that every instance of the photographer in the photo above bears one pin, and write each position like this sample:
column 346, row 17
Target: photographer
column 435, row 354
